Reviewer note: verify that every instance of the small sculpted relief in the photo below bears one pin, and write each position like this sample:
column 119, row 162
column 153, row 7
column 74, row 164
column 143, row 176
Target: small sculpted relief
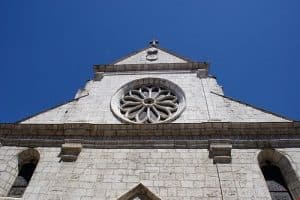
column 152, row 54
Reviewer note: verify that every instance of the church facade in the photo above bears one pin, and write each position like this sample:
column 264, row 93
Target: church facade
column 152, row 125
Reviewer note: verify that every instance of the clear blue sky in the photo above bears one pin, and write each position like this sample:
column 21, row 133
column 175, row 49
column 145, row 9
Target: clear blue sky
column 47, row 48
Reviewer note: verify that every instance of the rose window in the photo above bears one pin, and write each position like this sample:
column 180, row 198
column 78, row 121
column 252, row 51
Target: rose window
column 148, row 104
column 151, row 101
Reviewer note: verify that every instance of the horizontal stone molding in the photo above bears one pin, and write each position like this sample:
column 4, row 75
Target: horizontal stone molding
column 152, row 67
column 167, row 135
column 152, row 143
column 164, row 129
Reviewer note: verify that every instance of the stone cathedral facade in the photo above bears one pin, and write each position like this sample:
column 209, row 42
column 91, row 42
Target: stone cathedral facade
column 151, row 126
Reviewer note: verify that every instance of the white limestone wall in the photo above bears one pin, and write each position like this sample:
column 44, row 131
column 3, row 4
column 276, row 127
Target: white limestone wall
column 201, row 104
column 169, row 173
column 95, row 108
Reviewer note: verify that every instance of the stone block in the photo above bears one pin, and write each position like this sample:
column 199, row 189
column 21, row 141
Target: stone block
column 70, row 151
column 222, row 159
column 202, row 73
column 98, row 76
column 220, row 152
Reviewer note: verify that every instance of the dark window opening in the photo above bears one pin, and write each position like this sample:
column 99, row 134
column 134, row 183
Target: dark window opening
column 22, row 180
column 276, row 184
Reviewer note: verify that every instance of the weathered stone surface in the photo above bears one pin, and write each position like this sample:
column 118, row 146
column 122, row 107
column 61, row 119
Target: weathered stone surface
column 220, row 151
column 202, row 73
column 70, row 151
column 168, row 173
column 201, row 104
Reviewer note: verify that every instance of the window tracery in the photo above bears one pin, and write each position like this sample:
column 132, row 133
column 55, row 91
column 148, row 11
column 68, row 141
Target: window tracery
column 149, row 100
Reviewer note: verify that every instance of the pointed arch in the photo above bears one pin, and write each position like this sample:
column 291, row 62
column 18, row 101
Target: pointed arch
column 279, row 173
column 27, row 162
column 139, row 192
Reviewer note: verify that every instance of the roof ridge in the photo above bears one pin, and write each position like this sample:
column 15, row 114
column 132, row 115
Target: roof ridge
column 252, row 106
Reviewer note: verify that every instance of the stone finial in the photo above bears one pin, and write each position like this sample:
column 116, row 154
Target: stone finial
column 154, row 43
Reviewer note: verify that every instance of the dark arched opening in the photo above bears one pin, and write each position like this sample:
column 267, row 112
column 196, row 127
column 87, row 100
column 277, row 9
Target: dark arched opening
column 28, row 160
column 22, row 180
column 275, row 182
column 280, row 174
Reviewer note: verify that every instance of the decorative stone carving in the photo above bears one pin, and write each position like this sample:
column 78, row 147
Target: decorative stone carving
column 149, row 100
column 149, row 104
column 152, row 54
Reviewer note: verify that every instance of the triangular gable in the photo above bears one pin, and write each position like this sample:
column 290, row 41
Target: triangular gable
column 139, row 192
column 151, row 55
column 238, row 111
column 53, row 115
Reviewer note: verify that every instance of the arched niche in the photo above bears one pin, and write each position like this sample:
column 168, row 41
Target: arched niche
column 278, row 172
column 27, row 162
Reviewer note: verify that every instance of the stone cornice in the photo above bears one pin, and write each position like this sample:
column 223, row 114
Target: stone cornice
column 151, row 67
column 173, row 135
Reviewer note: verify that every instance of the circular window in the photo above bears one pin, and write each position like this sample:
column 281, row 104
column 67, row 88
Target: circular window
column 149, row 100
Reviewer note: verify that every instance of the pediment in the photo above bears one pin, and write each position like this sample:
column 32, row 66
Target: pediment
column 151, row 55
column 139, row 192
